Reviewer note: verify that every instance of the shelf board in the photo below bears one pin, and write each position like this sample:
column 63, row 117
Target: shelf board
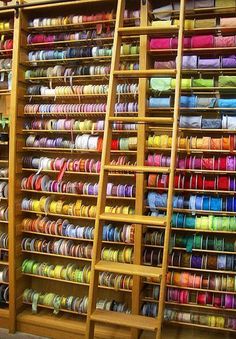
column 76, row 195
column 126, row 320
column 56, row 255
column 56, row 236
column 66, row 216
column 202, row 270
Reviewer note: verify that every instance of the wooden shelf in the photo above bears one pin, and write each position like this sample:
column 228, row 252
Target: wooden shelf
column 59, row 215
column 56, row 236
column 202, row 270
column 85, row 59
column 200, row 289
column 76, row 195
column 76, row 173
column 196, row 230
column 225, row 329
column 192, row 305
column 127, row 320
column 73, row 282
column 74, row 150
column 216, row 191
column 60, row 310
column 57, row 255
column 130, row 269
column 203, row 212
column 134, row 219
column 74, row 131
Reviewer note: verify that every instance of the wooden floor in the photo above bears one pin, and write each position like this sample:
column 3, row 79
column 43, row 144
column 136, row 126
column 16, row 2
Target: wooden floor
column 170, row 333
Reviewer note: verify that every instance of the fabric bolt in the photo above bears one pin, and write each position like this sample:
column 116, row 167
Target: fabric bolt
column 206, row 102
column 190, row 122
column 162, row 16
column 227, row 81
column 160, row 43
column 186, row 43
column 223, row 3
column 189, row 5
column 159, row 102
column 208, row 63
column 224, row 41
column 211, row 123
column 188, row 101
column 228, row 22
column 163, row 23
column 204, row 3
column 185, row 83
column 229, row 62
column 227, row 103
column 189, row 62
column 160, row 84
column 202, row 41
column 203, row 82
column 205, row 23
column 171, row 64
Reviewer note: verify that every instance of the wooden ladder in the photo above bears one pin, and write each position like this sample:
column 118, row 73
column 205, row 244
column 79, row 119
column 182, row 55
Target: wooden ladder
column 134, row 321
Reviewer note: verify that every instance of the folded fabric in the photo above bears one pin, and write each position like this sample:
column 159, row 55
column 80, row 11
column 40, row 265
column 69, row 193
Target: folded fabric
column 159, row 102
column 229, row 62
column 225, row 3
column 163, row 16
column 190, row 121
column 186, row 43
column 208, row 63
column 185, row 83
column 170, row 64
column 160, row 84
column 227, row 81
column 206, row 102
column 188, row 24
column 202, row 41
column 162, row 23
column 227, row 103
column 211, row 123
column 160, row 43
column 228, row 22
column 205, row 23
column 204, row 3
column 189, row 62
column 188, row 101
column 203, row 82
column 229, row 122
column 189, row 5
column 225, row 41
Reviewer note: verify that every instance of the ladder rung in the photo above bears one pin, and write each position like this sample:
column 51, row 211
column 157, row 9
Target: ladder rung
column 125, row 320
column 134, row 219
column 144, row 73
column 142, row 169
column 139, row 270
column 161, row 120
column 146, row 30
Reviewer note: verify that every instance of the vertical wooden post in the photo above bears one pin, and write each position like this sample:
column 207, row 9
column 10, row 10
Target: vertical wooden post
column 12, row 176
column 174, row 147
column 140, row 176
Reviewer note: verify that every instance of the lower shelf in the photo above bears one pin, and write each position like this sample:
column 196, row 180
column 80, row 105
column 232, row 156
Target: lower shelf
column 4, row 318
column 44, row 323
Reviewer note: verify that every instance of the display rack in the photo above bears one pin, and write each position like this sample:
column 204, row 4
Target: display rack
column 141, row 125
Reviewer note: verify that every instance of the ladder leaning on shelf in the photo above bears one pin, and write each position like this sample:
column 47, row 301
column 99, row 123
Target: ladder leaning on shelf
column 134, row 321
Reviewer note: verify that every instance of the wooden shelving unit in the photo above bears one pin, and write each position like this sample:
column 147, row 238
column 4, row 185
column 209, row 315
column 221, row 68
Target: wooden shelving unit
column 121, row 273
